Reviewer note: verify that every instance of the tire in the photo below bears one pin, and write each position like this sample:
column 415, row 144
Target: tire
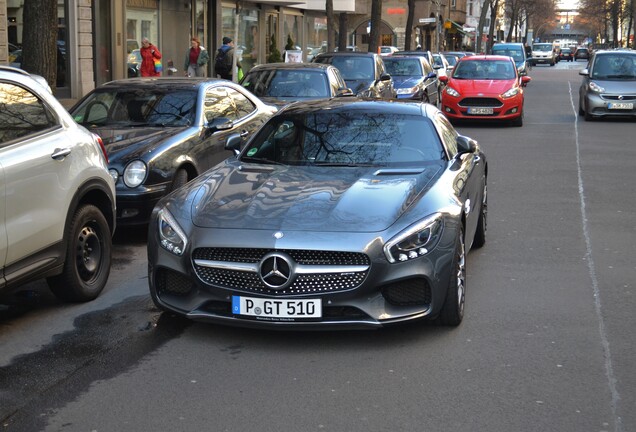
column 581, row 112
column 88, row 257
column 452, row 312
column 586, row 115
column 482, row 223
column 518, row 122
column 180, row 178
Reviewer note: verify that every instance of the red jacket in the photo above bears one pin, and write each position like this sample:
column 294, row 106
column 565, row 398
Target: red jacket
column 148, row 56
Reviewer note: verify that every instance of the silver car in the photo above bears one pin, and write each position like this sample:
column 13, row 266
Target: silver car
column 58, row 201
column 342, row 213
column 609, row 85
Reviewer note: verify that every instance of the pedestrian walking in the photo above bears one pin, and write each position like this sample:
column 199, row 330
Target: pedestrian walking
column 224, row 59
column 150, row 59
column 196, row 58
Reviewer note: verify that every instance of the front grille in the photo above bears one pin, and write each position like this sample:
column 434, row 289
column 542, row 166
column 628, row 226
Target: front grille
column 623, row 98
column 480, row 102
column 306, row 283
column 170, row 282
column 410, row 292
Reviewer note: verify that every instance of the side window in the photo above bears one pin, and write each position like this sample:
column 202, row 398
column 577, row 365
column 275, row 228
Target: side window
column 243, row 106
column 218, row 103
column 449, row 135
column 22, row 113
column 427, row 68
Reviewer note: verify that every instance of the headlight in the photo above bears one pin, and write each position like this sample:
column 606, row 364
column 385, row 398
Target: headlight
column 596, row 88
column 410, row 90
column 510, row 93
column 135, row 173
column 451, row 91
column 114, row 174
column 416, row 241
column 171, row 236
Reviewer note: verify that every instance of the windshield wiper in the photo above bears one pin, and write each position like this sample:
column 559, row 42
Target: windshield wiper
column 260, row 160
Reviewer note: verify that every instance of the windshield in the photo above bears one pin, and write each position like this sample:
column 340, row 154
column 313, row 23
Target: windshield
column 542, row 47
column 138, row 107
column 345, row 139
column 296, row 84
column 403, row 67
column 515, row 52
column 484, row 70
column 614, row 67
column 355, row 68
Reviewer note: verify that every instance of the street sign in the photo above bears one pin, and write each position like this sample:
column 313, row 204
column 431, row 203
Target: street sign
column 427, row 20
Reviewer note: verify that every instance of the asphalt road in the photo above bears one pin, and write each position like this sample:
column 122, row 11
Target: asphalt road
column 546, row 344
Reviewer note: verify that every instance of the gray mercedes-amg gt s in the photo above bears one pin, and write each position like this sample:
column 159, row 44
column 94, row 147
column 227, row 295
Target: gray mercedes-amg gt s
column 344, row 213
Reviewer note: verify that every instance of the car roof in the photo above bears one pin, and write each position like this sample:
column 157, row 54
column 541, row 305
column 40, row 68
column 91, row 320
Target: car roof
column 347, row 54
column 482, row 57
column 161, row 82
column 37, row 78
column 269, row 66
column 351, row 104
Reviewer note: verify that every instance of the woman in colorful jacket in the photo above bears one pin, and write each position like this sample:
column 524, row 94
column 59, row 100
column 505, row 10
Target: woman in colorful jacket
column 195, row 60
column 149, row 55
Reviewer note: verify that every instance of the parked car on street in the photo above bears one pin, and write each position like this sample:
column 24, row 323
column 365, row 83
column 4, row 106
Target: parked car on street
column 515, row 50
column 364, row 73
column 341, row 213
column 441, row 65
column 413, row 78
column 134, row 63
column 608, row 88
column 283, row 83
column 485, row 87
column 566, row 54
column 161, row 133
column 57, row 211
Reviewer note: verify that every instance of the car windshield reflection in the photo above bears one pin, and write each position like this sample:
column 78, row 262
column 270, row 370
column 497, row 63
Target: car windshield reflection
column 345, row 139
column 138, row 108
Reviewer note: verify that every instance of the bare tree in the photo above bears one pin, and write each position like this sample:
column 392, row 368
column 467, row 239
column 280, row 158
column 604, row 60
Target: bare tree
column 342, row 32
column 376, row 15
column 39, row 47
column 331, row 26
column 409, row 25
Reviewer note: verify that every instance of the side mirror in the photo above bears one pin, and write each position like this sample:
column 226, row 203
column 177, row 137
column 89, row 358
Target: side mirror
column 443, row 79
column 345, row 91
column 525, row 80
column 385, row 77
column 584, row 72
column 437, row 66
column 431, row 75
column 466, row 145
column 233, row 143
column 219, row 123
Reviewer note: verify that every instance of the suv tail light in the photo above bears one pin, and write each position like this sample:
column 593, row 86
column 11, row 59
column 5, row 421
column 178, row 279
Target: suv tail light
column 98, row 139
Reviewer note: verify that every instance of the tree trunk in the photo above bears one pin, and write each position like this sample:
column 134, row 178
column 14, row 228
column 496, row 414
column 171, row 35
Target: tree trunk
column 482, row 21
column 331, row 27
column 342, row 32
column 491, row 31
column 376, row 15
column 39, row 40
column 409, row 25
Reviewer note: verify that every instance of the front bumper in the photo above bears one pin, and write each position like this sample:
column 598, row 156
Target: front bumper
column 387, row 293
column 598, row 105
column 458, row 109
column 134, row 206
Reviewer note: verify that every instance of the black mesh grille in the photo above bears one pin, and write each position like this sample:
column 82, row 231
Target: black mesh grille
column 480, row 102
column 410, row 292
column 316, row 283
column 169, row 282
column 622, row 98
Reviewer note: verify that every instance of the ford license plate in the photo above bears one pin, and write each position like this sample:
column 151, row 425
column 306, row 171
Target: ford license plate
column 277, row 309
column 620, row 105
column 480, row 111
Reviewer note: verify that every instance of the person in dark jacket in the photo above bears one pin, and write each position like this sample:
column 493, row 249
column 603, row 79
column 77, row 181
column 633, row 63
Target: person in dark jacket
column 149, row 53
column 224, row 59
column 195, row 60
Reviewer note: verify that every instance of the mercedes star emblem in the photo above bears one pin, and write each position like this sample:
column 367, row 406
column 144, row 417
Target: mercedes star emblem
column 276, row 270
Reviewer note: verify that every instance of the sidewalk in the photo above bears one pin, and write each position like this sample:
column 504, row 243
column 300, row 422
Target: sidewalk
column 67, row 103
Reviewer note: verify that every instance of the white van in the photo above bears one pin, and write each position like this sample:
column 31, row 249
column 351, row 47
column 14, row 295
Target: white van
column 542, row 53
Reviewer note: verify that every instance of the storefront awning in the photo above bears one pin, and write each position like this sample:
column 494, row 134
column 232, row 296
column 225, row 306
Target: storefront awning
column 338, row 5
column 454, row 27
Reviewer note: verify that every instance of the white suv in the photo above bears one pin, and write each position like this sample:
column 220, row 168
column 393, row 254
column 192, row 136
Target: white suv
column 57, row 200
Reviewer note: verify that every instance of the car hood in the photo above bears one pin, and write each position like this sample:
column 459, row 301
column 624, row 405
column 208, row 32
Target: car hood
column 358, row 86
column 487, row 87
column 617, row 86
column 133, row 142
column 244, row 196
column 406, row 81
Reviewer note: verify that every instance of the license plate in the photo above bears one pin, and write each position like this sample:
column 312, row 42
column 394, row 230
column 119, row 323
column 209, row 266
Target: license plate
column 277, row 309
column 481, row 111
column 620, row 105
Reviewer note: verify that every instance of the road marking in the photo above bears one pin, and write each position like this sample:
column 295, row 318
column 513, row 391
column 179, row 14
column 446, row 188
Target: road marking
column 609, row 370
